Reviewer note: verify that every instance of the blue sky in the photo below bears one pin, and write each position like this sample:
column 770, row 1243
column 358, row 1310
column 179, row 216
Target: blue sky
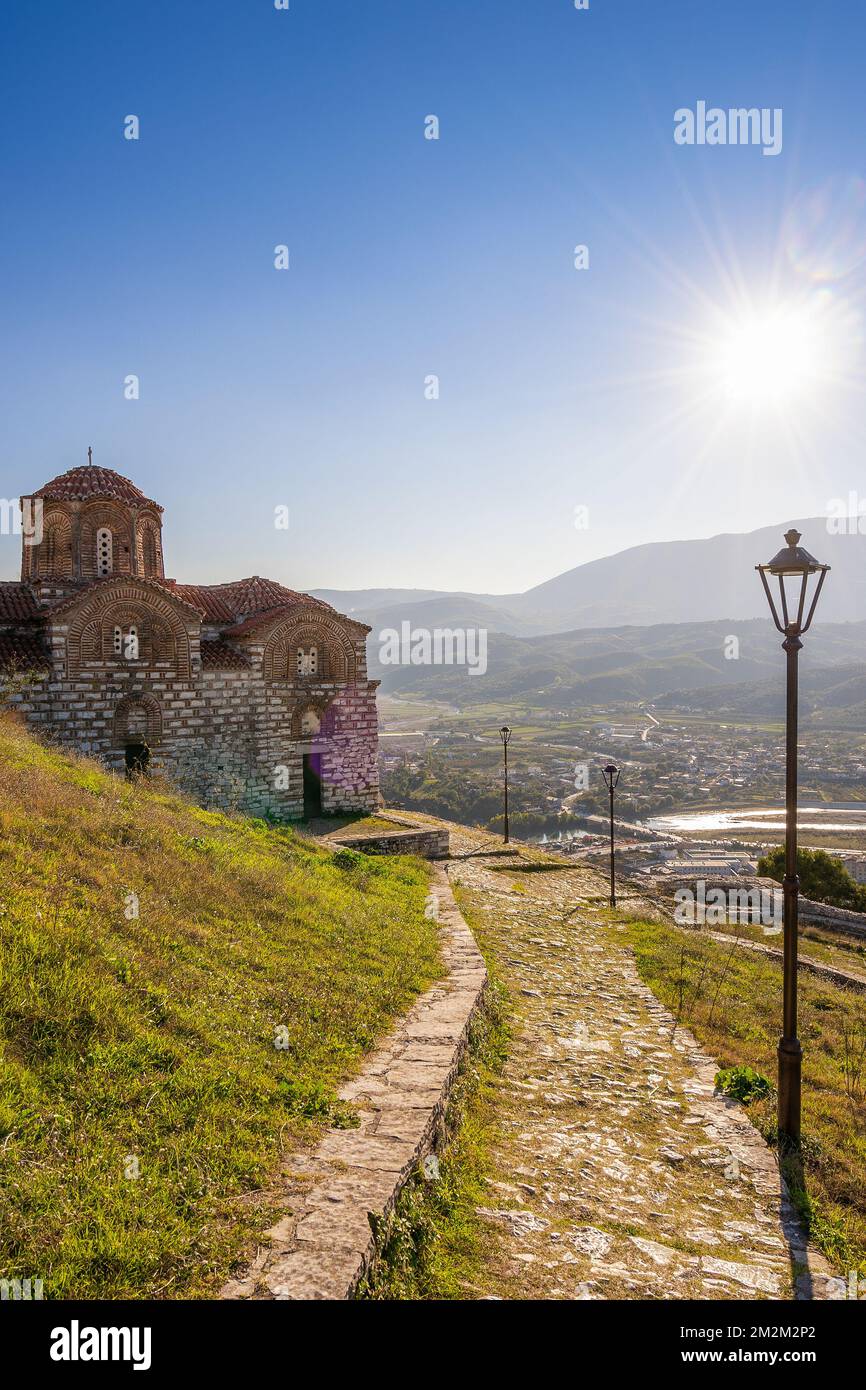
column 409, row 257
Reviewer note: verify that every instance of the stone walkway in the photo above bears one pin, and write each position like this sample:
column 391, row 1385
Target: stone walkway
column 618, row 1174
column 321, row 1245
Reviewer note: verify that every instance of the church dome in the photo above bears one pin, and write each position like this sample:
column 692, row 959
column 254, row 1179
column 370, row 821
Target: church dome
column 89, row 483
column 91, row 523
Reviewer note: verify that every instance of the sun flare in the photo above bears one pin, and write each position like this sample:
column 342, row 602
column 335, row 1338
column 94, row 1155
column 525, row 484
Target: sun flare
column 779, row 353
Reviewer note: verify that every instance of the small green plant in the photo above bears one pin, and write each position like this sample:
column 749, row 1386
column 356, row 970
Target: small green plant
column 743, row 1083
column 346, row 858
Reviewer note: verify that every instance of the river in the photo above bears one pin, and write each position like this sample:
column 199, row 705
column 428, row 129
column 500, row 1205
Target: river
column 832, row 815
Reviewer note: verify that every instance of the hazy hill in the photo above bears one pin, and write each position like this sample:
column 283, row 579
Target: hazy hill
column 662, row 582
column 594, row 666
column 828, row 694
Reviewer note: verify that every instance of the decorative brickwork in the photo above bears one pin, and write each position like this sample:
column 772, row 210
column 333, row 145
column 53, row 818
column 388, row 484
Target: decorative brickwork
column 234, row 688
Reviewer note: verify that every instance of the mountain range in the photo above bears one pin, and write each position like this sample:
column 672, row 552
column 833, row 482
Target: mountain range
column 660, row 582
column 694, row 664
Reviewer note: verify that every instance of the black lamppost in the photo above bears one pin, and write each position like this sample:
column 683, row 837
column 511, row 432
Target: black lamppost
column 793, row 567
column 611, row 778
column 505, row 735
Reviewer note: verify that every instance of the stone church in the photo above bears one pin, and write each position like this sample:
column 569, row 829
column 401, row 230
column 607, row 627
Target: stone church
column 247, row 695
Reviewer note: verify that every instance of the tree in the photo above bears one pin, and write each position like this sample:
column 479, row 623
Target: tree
column 823, row 878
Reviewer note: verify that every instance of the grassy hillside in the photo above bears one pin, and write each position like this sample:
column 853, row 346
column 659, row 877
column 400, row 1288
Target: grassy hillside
column 144, row 1100
column 733, row 1003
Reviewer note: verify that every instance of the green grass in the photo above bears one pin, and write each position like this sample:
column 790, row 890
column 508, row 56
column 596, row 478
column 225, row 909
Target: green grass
column 732, row 1001
column 846, row 953
column 147, row 1045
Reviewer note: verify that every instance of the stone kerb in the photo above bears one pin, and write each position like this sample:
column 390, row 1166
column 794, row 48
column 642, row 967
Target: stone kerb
column 322, row 1247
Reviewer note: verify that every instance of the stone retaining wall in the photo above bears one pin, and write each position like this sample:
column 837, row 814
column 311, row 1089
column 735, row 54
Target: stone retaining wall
column 811, row 913
column 833, row 918
column 322, row 1247
column 428, row 844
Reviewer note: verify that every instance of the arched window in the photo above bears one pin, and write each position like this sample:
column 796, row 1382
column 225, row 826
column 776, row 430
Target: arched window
column 104, row 551
column 125, row 642
column 307, row 661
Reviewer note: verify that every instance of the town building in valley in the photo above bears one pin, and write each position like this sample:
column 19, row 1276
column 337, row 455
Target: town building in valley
column 246, row 694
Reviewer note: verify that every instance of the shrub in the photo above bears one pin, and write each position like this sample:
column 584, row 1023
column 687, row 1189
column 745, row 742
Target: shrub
column 823, row 878
column 346, row 858
column 743, row 1083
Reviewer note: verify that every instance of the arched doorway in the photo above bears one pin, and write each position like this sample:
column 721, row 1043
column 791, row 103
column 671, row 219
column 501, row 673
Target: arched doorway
column 137, row 727
column 137, row 758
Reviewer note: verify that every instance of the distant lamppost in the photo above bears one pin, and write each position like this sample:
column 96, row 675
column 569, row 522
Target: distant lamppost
column 793, row 567
column 505, row 735
column 611, row 778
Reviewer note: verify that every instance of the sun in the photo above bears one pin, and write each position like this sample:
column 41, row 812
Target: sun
column 768, row 357
column 779, row 353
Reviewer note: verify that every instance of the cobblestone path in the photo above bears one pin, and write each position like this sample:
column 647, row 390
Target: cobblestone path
column 618, row 1173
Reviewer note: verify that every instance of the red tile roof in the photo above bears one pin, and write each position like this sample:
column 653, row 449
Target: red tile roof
column 89, row 483
column 244, row 598
column 200, row 596
column 257, row 595
column 219, row 656
column 23, row 652
column 17, row 603
column 257, row 619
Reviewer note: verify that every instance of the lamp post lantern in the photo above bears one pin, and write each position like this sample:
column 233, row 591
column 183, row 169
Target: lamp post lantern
column 611, row 778
column 505, row 735
column 794, row 568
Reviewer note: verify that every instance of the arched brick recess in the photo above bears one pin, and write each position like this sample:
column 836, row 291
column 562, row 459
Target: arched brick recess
column 156, row 641
column 327, row 716
column 137, row 717
column 149, row 547
column 165, row 636
column 337, row 660
column 118, row 520
column 53, row 555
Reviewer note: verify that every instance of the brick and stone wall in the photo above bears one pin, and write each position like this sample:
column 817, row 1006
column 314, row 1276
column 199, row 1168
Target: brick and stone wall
column 224, row 737
column 227, row 687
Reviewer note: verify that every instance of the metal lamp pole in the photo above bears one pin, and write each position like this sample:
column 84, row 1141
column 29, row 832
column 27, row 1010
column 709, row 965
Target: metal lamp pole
column 505, row 735
column 611, row 778
column 795, row 565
